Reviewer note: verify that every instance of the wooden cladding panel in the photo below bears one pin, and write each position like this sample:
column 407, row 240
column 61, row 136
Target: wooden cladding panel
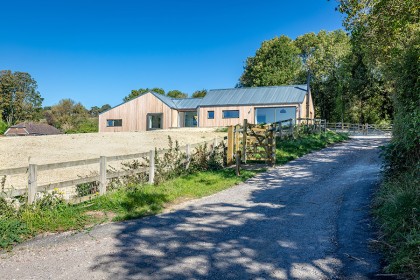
column 134, row 114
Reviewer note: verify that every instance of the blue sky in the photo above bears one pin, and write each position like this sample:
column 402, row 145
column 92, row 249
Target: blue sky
column 96, row 52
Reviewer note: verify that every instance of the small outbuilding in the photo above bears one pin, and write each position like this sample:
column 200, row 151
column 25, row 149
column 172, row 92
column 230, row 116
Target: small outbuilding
column 31, row 129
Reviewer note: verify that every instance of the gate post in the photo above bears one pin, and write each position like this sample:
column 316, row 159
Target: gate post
column 229, row 156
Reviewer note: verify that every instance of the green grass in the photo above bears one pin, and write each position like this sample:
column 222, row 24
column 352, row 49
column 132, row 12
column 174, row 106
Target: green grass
column 138, row 201
column 397, row 207
column 290, row 149
column 133, row 201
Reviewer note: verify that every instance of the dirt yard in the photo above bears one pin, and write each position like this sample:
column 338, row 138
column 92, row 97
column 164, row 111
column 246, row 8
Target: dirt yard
column 18, row 151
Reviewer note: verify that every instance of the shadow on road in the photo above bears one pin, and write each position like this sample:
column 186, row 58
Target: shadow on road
column 291, row 222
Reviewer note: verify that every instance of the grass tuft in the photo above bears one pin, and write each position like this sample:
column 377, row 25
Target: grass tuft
column 397, row 207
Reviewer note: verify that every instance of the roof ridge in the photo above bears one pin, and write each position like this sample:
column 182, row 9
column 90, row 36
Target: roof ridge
column 297, row 85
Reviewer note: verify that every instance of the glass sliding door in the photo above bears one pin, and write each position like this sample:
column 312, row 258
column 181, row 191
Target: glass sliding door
column 274, row 114
column 190, row 119
column 154, row 121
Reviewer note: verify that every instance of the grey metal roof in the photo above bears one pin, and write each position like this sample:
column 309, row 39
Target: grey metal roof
column 167, row 100
column 255, row 96
column 187, row 103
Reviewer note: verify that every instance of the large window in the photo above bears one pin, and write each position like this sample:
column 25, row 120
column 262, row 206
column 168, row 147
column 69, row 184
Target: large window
column 210, row 115
column 271, row 115
column 230, row 114
column 112, row 123
column 190, row 119
column 154, row 121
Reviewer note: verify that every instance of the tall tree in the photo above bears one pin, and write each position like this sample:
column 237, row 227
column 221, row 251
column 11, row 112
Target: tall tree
column 388, row 34
column 325, row 57
column 19, row 98
column 67, row 115
column 95, row 110
column 276, row 62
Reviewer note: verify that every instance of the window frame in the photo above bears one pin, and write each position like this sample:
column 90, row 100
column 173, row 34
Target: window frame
column 114, row 123
column 230, row 117
column 208, row 115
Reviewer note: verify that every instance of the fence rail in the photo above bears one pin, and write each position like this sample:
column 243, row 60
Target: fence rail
column 32, row 170
column 364, row 129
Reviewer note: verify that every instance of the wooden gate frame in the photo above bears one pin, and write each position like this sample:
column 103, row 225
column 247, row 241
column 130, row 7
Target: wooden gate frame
column 239, row 138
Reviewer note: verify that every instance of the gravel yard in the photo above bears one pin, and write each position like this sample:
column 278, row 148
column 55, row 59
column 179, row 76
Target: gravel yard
column 17, row 151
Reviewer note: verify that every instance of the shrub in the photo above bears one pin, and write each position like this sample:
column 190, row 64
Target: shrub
column 12, row 229
column 3, row 126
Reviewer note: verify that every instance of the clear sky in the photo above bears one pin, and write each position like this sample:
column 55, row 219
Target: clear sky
column 96, row 52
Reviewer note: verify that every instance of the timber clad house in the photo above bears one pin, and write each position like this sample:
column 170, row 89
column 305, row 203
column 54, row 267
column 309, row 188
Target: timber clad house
column 220, row 107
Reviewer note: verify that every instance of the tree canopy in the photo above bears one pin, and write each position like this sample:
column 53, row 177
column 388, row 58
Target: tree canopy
column 136, row 92
column 176, row 94
column 199, row 93
column 19, row 98
column 276, row 62
column 344, row 89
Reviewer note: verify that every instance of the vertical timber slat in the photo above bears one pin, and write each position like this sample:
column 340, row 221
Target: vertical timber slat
column 102, row 175
column 238, row 163
column 151, row 167
column 229, row 155
column 188, row 151
column 32, row 182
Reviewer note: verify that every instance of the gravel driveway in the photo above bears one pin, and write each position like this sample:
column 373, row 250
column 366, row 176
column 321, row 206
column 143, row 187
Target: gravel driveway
column 308, row 219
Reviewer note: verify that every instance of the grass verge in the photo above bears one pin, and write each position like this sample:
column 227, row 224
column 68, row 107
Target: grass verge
column 397, row 207
column 132, row 201
column 290, row 149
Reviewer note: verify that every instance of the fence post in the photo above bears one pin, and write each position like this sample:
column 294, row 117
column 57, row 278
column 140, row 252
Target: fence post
column 281, row 130
column 229, row 156
column 238, row 163
column 244, row 130
column 32, row 182
column 215, row 143
column 291, row 127
column 273, row 148
column 151, row 167
column 102, row 175
column 188, row 151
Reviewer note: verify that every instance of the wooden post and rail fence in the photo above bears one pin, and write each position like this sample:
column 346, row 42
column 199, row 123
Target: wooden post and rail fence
column 249, row 142
column 103, row 176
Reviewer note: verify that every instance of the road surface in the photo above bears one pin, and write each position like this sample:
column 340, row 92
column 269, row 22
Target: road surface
column 309, row 219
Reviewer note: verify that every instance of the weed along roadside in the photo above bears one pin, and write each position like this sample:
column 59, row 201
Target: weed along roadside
column 131, row 196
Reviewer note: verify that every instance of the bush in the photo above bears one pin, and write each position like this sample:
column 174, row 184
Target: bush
column 3, row 126
column 12, row 229
column 88, row 125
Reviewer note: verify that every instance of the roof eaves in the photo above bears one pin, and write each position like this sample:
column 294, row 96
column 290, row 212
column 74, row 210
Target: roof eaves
column 250, row 104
